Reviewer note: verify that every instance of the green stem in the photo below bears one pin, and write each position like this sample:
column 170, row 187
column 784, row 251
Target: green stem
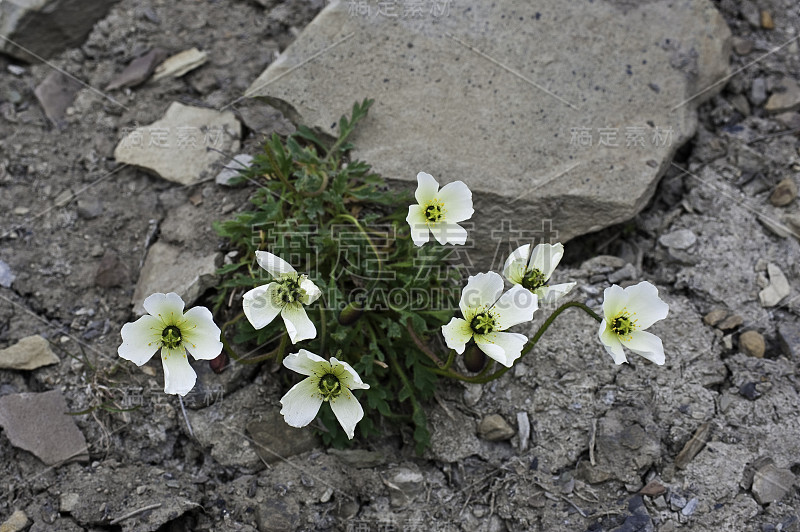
column 549, row 321
column 360, row 228
column 415, row 406
column 481, row 379
column 421, row 345
column 276, row 167
column 323, row 331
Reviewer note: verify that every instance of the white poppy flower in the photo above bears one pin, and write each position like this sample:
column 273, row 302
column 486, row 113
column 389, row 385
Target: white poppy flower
column 487, row 312
column 286, row 296
column 439, row 211
column 327, row 381
column 168, row 328
column 627, row 313
column 533, row 270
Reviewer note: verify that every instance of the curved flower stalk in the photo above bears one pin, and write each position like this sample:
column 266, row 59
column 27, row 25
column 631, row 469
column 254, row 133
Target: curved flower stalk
column 326, row 381
column 532, row 270
column 286, row 296
column 487, row 312
column 627, row 313
column 168, row 328
column 439, row 211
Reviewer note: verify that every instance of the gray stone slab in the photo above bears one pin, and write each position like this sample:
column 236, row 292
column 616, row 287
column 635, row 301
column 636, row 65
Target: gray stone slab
column 501, row 94
column 38, row 422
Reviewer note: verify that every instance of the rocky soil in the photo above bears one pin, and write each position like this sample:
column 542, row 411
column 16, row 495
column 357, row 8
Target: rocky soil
column 565, row 441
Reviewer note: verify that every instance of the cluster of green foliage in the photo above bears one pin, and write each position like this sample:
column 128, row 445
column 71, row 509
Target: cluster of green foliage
column 336, row 221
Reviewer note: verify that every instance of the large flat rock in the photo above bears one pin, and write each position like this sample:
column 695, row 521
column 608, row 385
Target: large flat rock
column 512, row 98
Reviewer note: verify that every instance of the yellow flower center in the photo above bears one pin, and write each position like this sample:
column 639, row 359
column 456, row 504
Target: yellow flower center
column 434, row 211
column 329, row 386
column 533, row 279
column 288, row 290
column 623, row 324
column 483, row 323
column 171, row 337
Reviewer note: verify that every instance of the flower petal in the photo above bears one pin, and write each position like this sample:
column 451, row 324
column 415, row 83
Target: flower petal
column 449, row 233
column 200, row 334
column 312, row 291
column 275, row 265
column 614, row 301
column 514, row 307
column 167, row 307
column 647, row 345
column 545, row 258
column 306, row 363
column 550, row 294
column 416, row 221
column 349, row 377
column 301, row 404
column 611, row 343
column 141, row 339
column 179, row 377
column 427, row 187
column 504, row 347
column 259, row 306
column 457, row 200
column 456, row 334
column 297, row 323
column 347, row 410
column 481, row 292
column 643, row 300
column 516, row 264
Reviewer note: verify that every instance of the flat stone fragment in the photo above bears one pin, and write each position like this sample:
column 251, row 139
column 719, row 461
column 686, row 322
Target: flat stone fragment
column 37, row 422
column 778, row 287
column 47, row 27
column 404, row 486
column 455, row 96
column 168, row 268
column 6, row 275
column 680, row 239
column 359, row 458
column 15, row 523
column 771, row 484
column 138, row 70
column 180, row 64
column 55, row 93
column 274, row 439
column 31, row 352
column 494, row 428
column 184, row 145
column 786, row 100
column 789, row 339
column 693, row 446
column 234, row 168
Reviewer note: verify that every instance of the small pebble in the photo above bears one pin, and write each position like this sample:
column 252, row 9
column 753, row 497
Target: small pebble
column 766, row 21
column 784, row 193
column 715, row 316
column 752, row 343
column 731, row 322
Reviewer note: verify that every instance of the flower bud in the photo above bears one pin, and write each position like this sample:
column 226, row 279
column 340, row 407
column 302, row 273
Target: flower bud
column 474, row 359
column 220, row 363
column 350, row 314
